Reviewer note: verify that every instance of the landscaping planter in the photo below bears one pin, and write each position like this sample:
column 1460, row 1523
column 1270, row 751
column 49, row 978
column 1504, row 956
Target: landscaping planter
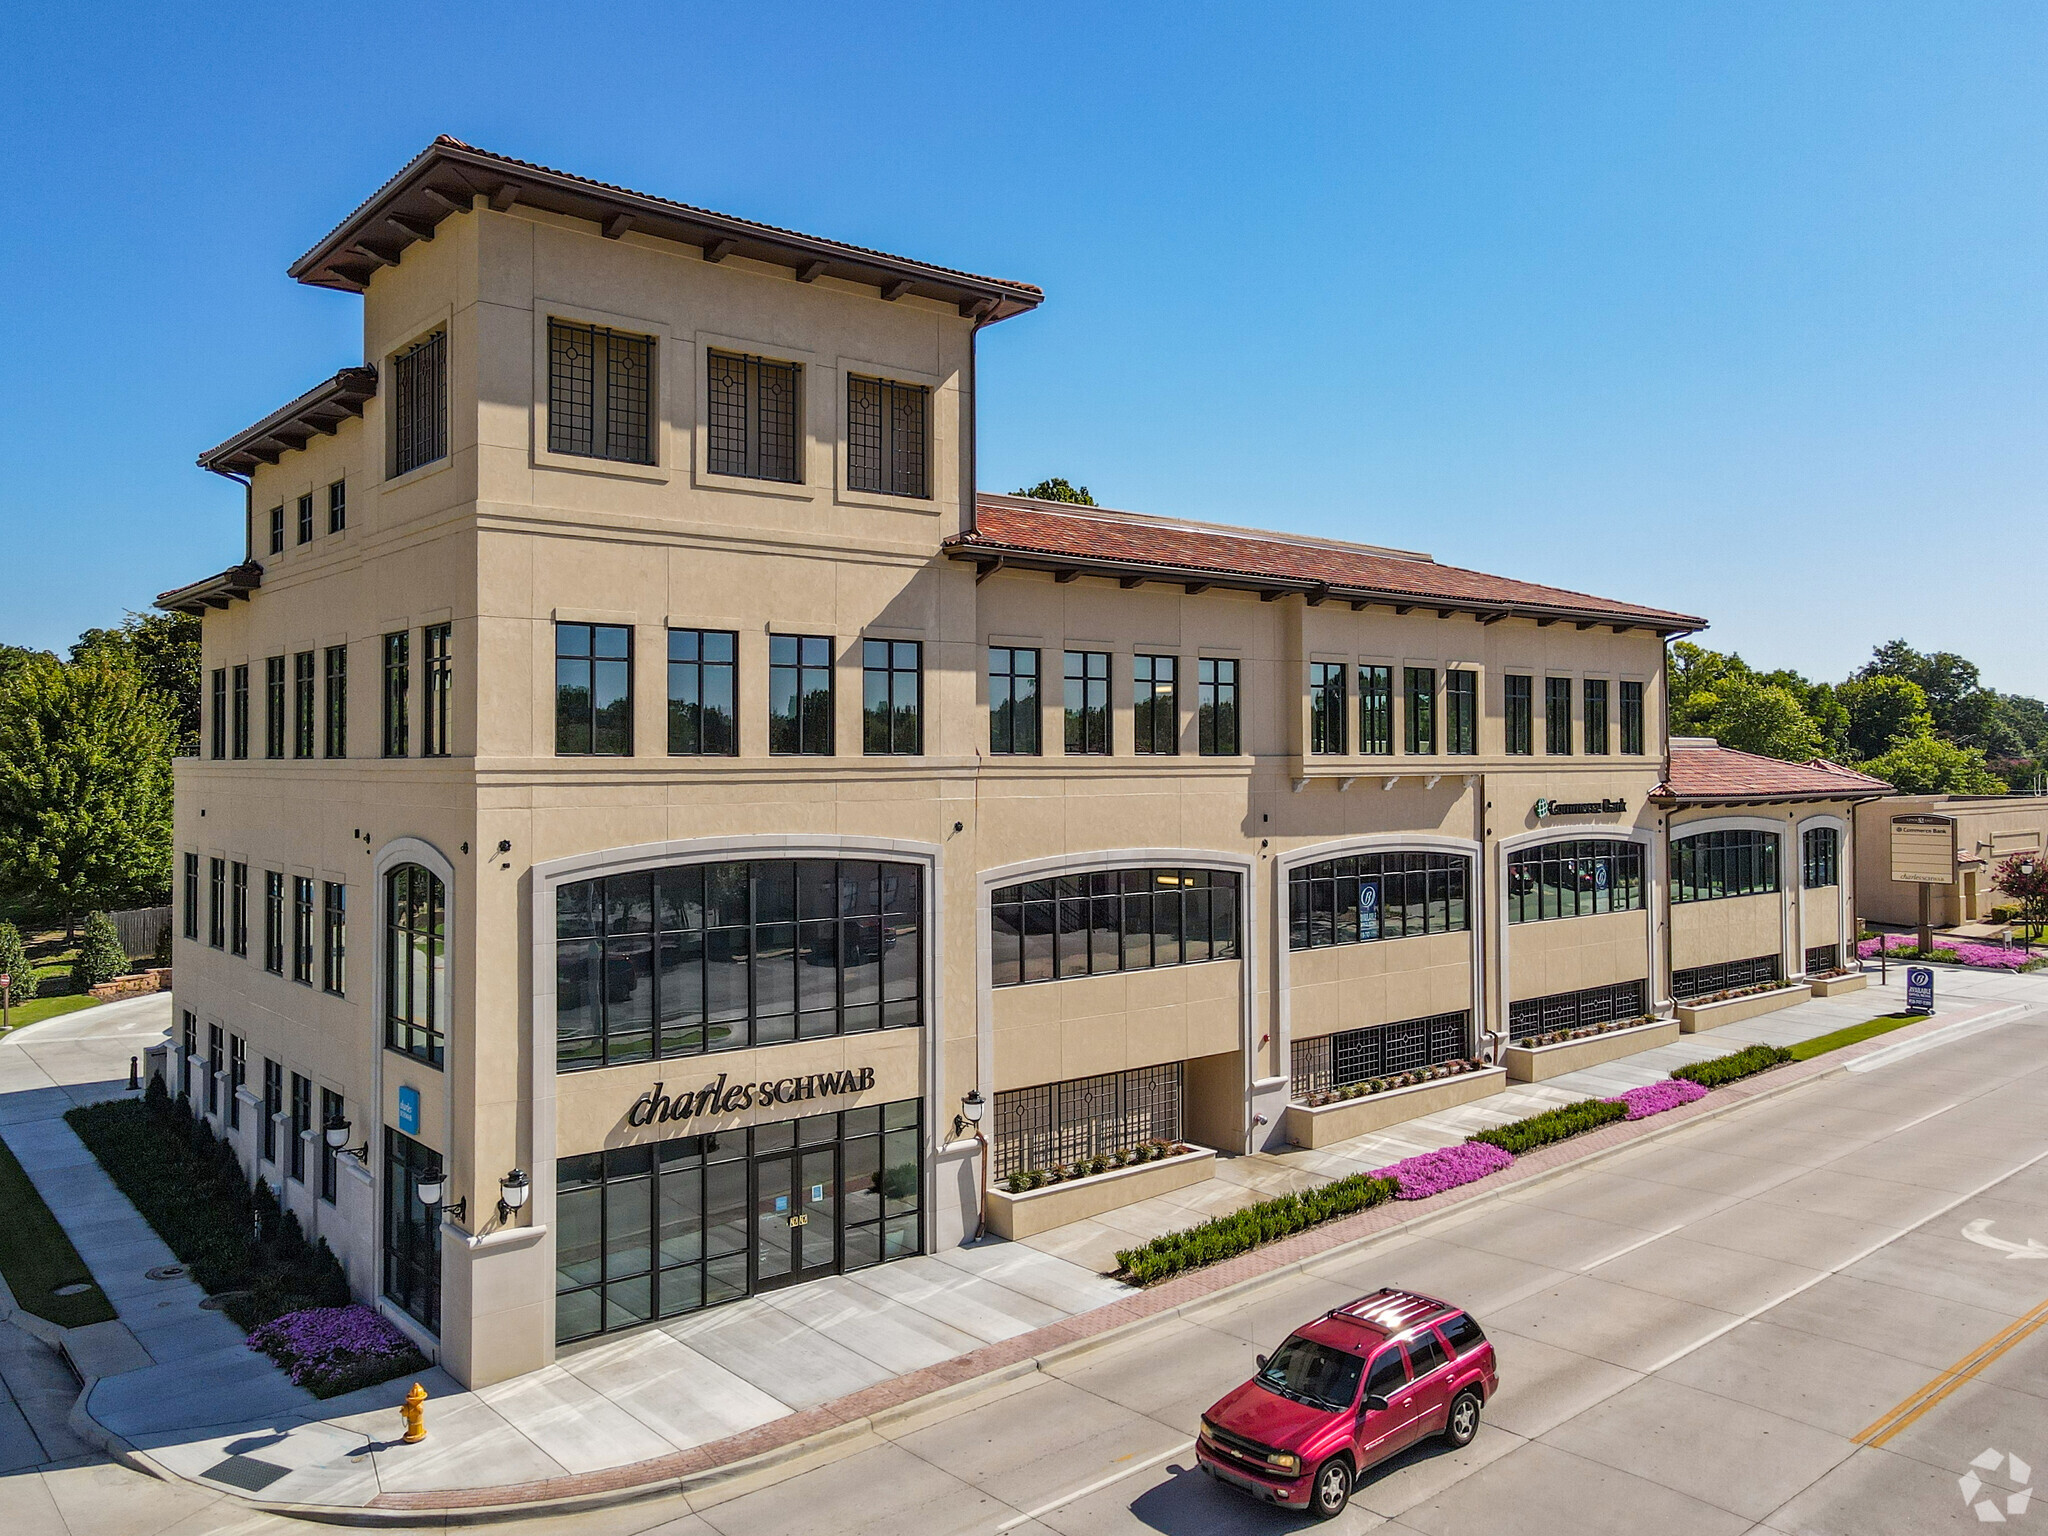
column 1534, row 1063
column 135, row 984
column 1040, row 1210
column 1694, row 1018
column 1314, row 1128
column 1835, row 986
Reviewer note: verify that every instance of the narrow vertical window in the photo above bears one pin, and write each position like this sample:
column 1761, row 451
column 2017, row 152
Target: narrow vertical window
column 273, row 922
column 892, row 697
column 302, row 930
column 1461, row 713
column 277, row 530
column 192, row 896
column 600, row 393
column 1013, row 701
column 1632, row 719
column 217, row 903
column 1596, row 716
column 337, row 507
column 1421, row 683
column 1557, row 716
column 306, row 518
column 1327, row 733
column 238, row 1078
column 593, row 690
column 419, row 409
column 703, row 693
column 330, row 1114
column 751, row 426
column 1376, row 711
column 273, row 706
column 397, row 692
column 435, row 641
column 238, row 909
column 273, row 1106
column 220, row 713
column 302, row 704
column 415, row 962
column 800, row 695
column 1521, row 700
column 1087, row 703
column 337, row 701
column 334, row 930
column 1216, row 707
column 1155, row 705
column 302, row 1122
column 887, row 436
column 240, row 743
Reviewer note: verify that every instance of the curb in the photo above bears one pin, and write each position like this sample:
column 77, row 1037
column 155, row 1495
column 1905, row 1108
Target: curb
column 833, row 1439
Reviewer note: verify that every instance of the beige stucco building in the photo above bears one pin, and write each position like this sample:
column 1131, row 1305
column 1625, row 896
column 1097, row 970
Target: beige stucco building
column 1988, row 830
column 635, row 757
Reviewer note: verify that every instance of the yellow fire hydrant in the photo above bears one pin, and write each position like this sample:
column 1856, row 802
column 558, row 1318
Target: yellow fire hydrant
column 414, row 1411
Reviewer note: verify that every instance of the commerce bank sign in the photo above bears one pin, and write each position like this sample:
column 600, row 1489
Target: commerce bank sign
column 656, row 1107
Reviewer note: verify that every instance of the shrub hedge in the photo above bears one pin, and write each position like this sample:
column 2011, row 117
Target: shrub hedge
column 1519, row 1136
column 187, row 1185
column 1227, row 1236
column 1726, row 1069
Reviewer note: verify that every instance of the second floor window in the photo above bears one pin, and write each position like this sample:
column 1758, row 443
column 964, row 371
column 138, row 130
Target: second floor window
column 1326, row 733
column 415, row 963
column 703, row 693
column 240, row 743
column 302, row 930
column 334, row 929
column 1216, row 707
column 217, row 903
column 1155, row 705
column 337, row 506
column 302, row 704
column 1557, row 716
column 220, row 713
column 800, row 695
column 277, row 529
column 888, row 429
column 337, row 701
column 397, row 691
column 1421, row 711
column 752, row 420
column 192, row 896
column 1461, row 713
column 435, row 640
column 1087, row 703
column 306, row 518
column 1596, row 716
column 273, row 706
column 1013, row 700
column 419, row 404
column 273, row 922
column 1821, row 857
column 600, row 393
column 1376, row 711
column 593, row 690
column 238, row 908
column 892, row 698
column 1632, row 719
column 1521, row 703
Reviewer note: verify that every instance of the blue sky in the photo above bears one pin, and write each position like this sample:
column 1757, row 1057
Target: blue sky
column 1736, row 309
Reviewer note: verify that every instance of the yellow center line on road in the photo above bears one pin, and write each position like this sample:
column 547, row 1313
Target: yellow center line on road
column 1908, row 1412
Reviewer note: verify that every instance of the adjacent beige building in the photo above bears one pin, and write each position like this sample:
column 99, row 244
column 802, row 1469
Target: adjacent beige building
column 650, row 802
column 1986, row 829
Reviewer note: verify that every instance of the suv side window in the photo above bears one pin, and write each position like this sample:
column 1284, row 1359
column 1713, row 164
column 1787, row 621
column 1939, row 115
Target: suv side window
column 1463, row 1335
column 1425, row 1353
column 1388, row 1374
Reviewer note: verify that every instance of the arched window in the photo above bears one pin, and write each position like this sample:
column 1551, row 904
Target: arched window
column 1574, row 878
column 415, row 963
column 1711, row 865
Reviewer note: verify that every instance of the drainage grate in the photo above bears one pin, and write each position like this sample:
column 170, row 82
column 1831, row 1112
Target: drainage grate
column 165, row 1272
column 245, row 1472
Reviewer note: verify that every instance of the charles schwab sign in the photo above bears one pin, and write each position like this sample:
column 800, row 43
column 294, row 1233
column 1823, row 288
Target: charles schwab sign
column 657, row 1107
column 1580, row 807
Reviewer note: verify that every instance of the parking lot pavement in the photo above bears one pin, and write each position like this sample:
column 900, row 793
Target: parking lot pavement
column 1697, row 1335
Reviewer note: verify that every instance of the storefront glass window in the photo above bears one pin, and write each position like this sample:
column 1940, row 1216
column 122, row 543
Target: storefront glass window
column 1112, row 920
column 1371, row 896
column 1575, row 878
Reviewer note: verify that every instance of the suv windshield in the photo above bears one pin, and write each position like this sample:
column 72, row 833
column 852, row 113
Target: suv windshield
column 1313, row 1373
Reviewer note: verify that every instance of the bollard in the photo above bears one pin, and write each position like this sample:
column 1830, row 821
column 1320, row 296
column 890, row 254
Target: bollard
column 134, row 1081
column 413, row 1411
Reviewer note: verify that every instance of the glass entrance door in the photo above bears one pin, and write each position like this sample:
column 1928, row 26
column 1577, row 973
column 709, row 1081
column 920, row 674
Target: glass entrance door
column 796, row 1217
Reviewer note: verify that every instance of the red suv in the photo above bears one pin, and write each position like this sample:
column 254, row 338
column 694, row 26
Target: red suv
column 1352, row 1388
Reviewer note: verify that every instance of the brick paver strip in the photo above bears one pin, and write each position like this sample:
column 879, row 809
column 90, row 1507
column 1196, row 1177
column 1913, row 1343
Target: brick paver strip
column 1167, row 1296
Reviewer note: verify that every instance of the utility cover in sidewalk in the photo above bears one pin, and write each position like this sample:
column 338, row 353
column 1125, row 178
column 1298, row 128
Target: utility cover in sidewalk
column 165, row 1272
column 75, row 1288
column 245, row 1472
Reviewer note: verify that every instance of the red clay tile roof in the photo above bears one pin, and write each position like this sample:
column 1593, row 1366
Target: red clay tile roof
column 1030, row 532
column 1716, row 773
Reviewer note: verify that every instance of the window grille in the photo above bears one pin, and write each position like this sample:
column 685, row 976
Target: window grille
column 1087, row 703
column 1421, row 682
column 1155, row 705
column 887, row 436
column 1712, row 865
column 1057, row 1123
column 420, row 404
column 1327, row 735
column 1112, row 920
column 1632, row 719
column 1821, row 958
column 1596, row 716
column 1821, row 861
column 1520, row 698
column 1699, row 980
column 600, row 393
column 1575, row 878
column 1013, row 718
column 1357, row 1055
column 752, row 420
column 1371, row 896
column 1461, row 713
column 1216, row 707
column 1621, row 1001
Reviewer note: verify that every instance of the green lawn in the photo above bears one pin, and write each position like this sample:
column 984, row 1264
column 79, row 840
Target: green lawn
column 37, row 1258
column 1820, row 1045
column 47, row 1008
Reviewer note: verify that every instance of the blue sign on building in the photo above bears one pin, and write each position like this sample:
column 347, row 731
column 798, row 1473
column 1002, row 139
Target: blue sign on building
column 409, row 1111
column 1919, row 989
column 1368, row 909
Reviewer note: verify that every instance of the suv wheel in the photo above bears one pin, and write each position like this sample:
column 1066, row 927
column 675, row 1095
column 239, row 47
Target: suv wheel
column 1331, row 1490
column 1463, row 1422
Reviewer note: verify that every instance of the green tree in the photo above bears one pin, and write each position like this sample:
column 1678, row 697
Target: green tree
column 1830, row 718
column 164, row 649
column 1057, row 490
column 14, row 963
column 1884, row 711
column 2024, row 877
column 1757, row 717
column 1928, row 765
column 85, row 787
column 100, row 955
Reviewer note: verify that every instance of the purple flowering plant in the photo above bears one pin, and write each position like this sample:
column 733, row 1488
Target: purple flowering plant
column 331, row 1350
column 1431, row 1173
column 1992, row 957
column 1655, row 1098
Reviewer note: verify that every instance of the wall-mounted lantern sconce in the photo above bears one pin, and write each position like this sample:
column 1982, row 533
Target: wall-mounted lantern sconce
column 513, row 1190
